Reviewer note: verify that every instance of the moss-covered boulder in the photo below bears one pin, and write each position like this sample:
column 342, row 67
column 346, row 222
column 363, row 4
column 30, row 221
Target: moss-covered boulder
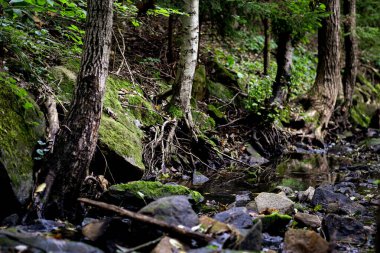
column 21, row 125
column 220, row 91
column 150, row 191
column 366, row 102
column 120, row 137
column 200, row 83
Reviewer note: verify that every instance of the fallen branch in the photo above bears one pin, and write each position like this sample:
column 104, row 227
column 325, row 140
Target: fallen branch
column 172, row 230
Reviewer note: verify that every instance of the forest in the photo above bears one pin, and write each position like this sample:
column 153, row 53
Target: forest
column 189, row 126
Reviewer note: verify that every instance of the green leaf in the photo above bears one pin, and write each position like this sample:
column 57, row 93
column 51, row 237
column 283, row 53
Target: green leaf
column 28, row 105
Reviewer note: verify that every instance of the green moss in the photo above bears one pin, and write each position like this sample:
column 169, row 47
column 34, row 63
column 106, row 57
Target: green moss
column 203, row 121
column 293, row 183
column 123, row 137
column 219, row 114
column 275, row 223
column 362, row 113
column 21, row 125
column 124, row 100
column 220, row 91
column 155, row 190
column 200, row 83
column 175, row 111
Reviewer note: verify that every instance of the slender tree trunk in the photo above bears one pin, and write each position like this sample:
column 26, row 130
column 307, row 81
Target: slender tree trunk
column 76, row 140
column 284, row 58
column 170, row 56
column 188, row 59
column 266, row 52
column 351, row 59
column 328, row 80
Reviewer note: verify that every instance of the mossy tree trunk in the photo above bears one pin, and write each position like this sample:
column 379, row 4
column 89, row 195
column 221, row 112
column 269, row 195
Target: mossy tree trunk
column 76, row 140
column 188, row 60
column 266, row 51
column 351, row 55
column 328, row 80
column 284, row 59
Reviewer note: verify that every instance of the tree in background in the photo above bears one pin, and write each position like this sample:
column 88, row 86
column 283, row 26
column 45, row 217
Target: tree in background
column 351, row 55
column 76, row 140
column 328, row 80
column 188, row 60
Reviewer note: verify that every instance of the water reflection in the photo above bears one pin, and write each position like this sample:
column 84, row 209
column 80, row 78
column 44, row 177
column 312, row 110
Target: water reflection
column 299, row 171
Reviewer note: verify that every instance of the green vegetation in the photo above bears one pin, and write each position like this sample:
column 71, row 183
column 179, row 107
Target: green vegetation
column 21, row 125
column 155, row 190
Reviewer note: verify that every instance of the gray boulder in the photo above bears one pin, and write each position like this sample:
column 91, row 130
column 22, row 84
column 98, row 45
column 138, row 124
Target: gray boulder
column 344, row 229
column 270, row 201
column 174, row 210
column 237, row 216
column 326, row 197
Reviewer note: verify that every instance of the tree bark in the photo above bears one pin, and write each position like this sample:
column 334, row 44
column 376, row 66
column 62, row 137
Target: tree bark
column 76, row 140
column 284, row 59
column 351, row 59
column 170, row 55
column 188, row 59
column 266, row 53
column 328, row 80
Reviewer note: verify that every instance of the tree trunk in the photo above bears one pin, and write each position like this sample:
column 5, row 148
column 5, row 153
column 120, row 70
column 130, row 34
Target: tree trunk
column 188, row 59
column 170, row 55
column 328, row 80
column 284, row 58
column 266, row 53
column 351, row 59
column 76, row 140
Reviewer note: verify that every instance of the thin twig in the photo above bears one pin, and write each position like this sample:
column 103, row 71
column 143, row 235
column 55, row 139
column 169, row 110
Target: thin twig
column 172, row 230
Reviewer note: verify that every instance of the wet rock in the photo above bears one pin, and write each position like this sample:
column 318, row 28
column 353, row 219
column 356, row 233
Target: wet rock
column 237, row 216
column 310, row 220
column 270, row 201
column 306, row 195
column 285, row 189
column 168, row 244
column 344, row 229
column 30, row 242
column 327, row 198
column 275, row 223
column 199, row 178
column 304, row 241
column 242, row 199
column 252, row 238
column 272, row 242
column 175, row 210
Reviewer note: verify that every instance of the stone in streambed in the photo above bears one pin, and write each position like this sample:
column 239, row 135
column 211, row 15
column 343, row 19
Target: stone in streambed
column 304, row 241
column 270, row 201
column 310, row 220
column 344, row 229
column 335, row 202
column 306, row 195
column 174, row 210
column 275, row 223
column 237, row 216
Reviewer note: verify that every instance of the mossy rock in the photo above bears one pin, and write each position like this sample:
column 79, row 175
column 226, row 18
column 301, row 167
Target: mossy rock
column 220, row 91
column 362, row 113
column 200, row 83
column 150, row 191
column 125, row 108
column 215, row 111
column 21, row 125
column 223, row 75
column 275, row 223
column 203, row 121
